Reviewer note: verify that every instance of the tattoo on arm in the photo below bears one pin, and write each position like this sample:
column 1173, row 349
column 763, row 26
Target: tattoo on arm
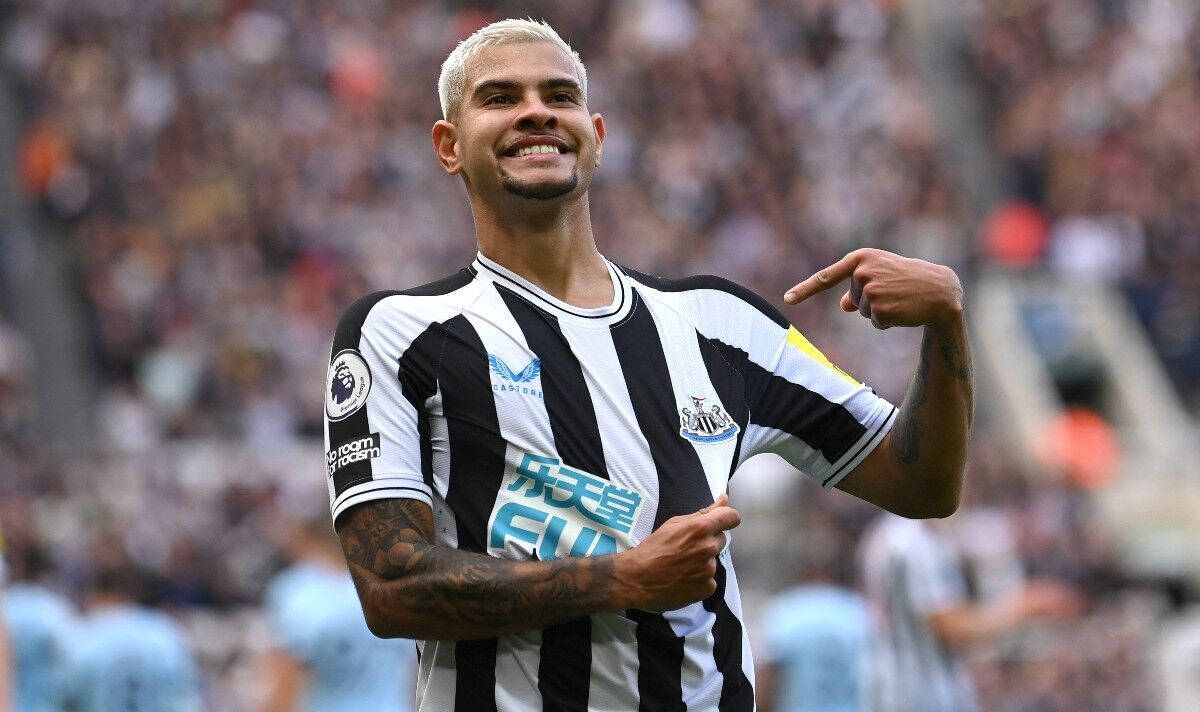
column 404, row 576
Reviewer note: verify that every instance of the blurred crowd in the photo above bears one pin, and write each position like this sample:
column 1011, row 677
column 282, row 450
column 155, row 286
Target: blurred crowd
column 228, row 176
column 1092, row 107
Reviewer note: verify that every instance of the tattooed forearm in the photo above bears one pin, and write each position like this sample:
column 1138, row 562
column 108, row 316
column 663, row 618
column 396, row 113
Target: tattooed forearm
column 412, row 587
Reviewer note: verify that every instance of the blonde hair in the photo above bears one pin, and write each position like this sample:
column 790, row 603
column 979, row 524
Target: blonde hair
column 454, row 69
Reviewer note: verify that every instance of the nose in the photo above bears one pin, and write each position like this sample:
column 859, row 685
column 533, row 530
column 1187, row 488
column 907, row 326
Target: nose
column 535, row 114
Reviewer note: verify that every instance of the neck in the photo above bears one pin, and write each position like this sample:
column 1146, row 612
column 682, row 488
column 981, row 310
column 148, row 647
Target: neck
column 552, row 248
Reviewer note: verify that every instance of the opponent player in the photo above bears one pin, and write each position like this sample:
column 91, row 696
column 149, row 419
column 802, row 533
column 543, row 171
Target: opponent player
column 326, row 660
column 39, row 623
column 129, row 657
column 528, row 460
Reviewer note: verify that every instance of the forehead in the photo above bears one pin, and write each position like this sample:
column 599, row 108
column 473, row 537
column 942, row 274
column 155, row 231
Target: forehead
column 521, row 62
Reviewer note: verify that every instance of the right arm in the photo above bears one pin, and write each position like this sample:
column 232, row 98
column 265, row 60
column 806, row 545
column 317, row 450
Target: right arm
column 411, row 587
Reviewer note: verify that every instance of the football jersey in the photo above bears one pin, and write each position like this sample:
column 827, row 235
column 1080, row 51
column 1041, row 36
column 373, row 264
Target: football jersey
column 537, row 429
column 39, row 624
column 315, row 615
column 911, row 572
column 819, row 639
column 131, row 659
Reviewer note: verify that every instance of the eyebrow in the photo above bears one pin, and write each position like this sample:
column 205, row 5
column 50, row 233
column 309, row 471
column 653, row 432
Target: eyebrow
column 508, row 85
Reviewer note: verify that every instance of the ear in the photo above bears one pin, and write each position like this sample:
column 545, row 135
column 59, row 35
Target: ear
column 598, row 126
column 445, row 145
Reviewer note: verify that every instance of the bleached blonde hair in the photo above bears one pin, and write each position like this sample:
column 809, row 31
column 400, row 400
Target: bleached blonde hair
column 454, row 70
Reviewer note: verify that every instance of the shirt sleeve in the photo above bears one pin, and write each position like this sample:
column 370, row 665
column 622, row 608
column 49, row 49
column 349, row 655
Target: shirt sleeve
column 382, row 371
column 812, row 413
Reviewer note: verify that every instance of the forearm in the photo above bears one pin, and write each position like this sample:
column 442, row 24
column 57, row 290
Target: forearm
column 412, row 588
column 929, row 441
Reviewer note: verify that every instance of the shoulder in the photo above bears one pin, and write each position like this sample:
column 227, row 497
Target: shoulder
column 380, row 303
column 709, row 293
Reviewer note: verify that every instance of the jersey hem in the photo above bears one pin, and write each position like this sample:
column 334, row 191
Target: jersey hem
column 381, row 488
column 859, row 451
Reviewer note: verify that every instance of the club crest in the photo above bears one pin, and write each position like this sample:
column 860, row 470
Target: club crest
column 349, row 383
column 712, row 425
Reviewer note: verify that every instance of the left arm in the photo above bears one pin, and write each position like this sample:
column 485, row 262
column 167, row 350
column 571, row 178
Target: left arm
column 917, row 470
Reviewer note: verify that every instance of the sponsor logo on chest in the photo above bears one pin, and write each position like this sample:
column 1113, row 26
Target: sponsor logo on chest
column 546, row 510
column 525, row 381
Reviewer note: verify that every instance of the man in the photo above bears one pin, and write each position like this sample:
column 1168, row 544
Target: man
column 40, row 624
column 129, row 657
column 913, row 577
column 513, row 478
column 817, row 636
column 326, row 660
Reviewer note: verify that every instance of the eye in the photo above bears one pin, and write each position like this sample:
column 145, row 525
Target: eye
column 562, row 96
column 497, row 99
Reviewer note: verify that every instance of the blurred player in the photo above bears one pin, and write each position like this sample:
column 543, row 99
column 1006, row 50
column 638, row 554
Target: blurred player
column 326, row 660
column 129, row 658
column 817, row 637
column 40, row 623
column 914, row 580
column 528, row 460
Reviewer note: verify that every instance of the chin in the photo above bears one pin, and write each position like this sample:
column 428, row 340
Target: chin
column 541, row 190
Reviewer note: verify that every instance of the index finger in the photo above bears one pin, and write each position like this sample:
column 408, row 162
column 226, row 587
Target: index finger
column 823, row 279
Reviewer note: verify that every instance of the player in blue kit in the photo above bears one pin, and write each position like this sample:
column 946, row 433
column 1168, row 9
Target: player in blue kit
column 129, row 658
column 325, row 659
column 39, row 623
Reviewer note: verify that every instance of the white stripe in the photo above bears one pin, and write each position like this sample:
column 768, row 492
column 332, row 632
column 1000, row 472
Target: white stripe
column 517, row 659
column 436, row 676
column 689, row 377
column 733, row 599
column 699, row 678
column 614, row 681
column 377, row 489
column 626, row 452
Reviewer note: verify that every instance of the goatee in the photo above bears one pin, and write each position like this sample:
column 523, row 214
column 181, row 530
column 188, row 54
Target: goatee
column 540, row 191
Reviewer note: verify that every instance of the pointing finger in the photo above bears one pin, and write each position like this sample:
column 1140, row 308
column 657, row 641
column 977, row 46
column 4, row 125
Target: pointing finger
column 823, row 279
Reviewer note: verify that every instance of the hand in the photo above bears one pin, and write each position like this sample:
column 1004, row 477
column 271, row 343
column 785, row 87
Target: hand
column 677, row 564
column 888, row 289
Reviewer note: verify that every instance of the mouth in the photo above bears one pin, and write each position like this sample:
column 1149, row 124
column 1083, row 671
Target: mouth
column 535, row 147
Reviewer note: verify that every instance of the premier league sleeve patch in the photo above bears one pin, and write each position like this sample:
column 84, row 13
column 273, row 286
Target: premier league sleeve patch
column 349, row 382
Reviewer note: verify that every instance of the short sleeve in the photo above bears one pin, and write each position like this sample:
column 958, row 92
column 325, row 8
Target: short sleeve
column 812, row 413
column 382, row 371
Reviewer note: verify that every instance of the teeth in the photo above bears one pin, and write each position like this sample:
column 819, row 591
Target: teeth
column 540, row 148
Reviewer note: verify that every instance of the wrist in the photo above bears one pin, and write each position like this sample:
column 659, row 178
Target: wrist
column 624, row 591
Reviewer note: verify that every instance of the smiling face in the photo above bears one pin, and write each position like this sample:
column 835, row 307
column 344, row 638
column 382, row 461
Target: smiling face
column 522, row 129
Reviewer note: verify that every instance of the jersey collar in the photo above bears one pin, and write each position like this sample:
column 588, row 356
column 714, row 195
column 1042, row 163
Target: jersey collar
column 594, row 317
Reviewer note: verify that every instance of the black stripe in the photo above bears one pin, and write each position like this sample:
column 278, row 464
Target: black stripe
column 868, row 443
column 708, row 281
column 565, row 664
column 737, row 694
column 682, row 489
column 418, row 372
column 355, row 425
column 730, row 386
column 778, row 403
column 476, row 473
column 660, row 663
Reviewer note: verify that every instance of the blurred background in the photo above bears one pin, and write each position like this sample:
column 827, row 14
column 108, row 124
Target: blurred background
column 193, row 190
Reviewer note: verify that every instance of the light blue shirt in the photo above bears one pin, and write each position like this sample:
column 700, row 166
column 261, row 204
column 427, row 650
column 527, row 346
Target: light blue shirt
column 318, row 620
column 132, row 659
column 39, row 623
column 818, row 636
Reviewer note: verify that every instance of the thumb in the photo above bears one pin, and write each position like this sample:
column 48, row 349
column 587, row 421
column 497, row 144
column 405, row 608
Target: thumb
column 722, row 501
column 848, row 304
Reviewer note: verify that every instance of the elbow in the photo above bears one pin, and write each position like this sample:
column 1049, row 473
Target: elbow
column 383, row 623
column 936, row 504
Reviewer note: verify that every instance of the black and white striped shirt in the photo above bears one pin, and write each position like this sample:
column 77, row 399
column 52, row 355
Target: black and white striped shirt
column 536, row 429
